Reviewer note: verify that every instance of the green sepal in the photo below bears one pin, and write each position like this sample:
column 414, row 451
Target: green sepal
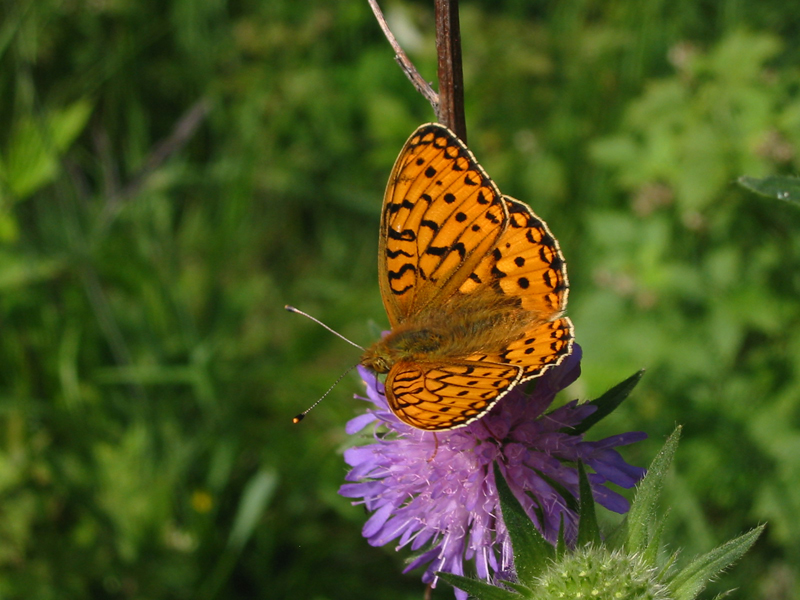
column 531, row 550
column 642, row 520
column 606, row 404
column 561, row 490
column 518, row 587
column 692, row 579
column 618, row 536
column 588, row 530
column 782, row 188
column 665, row 568
column 651, row 552
column 561, row 543
column 477, row 588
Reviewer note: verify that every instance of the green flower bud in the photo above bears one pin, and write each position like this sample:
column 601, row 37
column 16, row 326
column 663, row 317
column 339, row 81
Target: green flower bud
column 595, row 572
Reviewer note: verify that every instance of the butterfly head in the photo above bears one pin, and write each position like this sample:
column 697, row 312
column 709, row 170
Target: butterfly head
column 377, row 358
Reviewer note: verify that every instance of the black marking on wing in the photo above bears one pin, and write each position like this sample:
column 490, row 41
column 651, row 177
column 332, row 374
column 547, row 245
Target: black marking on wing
column 407, row 235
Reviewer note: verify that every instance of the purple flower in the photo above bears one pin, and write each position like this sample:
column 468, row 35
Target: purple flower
column 436, row 492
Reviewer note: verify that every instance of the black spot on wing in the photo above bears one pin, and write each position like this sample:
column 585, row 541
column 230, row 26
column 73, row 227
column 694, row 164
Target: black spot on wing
column 407, row 235
column 432, row 225
column 393, row 207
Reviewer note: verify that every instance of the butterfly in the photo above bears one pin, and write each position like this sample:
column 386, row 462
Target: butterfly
column 474, row 285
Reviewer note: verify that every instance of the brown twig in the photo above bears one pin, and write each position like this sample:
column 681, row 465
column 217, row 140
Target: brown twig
column 183, row 131
column 423, row 87
column 451, row 78
column 177, row 139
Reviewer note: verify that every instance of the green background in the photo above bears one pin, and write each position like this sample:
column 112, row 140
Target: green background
column 173, row 172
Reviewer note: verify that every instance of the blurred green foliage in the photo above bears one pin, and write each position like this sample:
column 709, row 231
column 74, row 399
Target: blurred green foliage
column 173, row 173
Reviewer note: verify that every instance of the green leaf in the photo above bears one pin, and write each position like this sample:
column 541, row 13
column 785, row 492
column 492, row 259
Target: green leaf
column 606, row 404
column 531, row 550
column 642, row 518
column 18, row 271
column 692, row 579
column 479, row 589
column 32, row 156
column 588, row 530
column 256, row 496
column 782, row 188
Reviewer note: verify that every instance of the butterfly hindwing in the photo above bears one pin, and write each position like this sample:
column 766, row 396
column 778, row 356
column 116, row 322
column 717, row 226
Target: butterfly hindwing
column 445, row 395
column 441, row 215
column 539, row 348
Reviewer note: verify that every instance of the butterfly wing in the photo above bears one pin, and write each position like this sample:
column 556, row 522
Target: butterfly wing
column 441, row 216
column 542, row 346
column 446, row 395
column 527, row 264
column 448, row 238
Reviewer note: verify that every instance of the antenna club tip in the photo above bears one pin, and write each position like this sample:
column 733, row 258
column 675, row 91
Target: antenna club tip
column 298, row 418
column 289, row 307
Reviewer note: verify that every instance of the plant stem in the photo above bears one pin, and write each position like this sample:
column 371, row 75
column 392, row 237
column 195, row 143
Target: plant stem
column 423, row 87
column 451, row 78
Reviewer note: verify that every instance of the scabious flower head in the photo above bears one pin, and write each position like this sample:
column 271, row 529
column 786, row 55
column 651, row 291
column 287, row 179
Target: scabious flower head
column 436, row 492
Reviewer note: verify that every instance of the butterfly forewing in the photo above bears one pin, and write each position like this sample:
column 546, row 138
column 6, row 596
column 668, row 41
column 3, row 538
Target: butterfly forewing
column 437, row 396
column 527, row 264
column 441, row 215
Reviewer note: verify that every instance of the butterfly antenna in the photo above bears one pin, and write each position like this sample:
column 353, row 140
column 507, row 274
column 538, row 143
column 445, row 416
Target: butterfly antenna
column 303, row 414
column 318, row 322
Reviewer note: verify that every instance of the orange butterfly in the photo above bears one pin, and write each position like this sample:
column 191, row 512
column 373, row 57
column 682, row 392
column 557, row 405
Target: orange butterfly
column 474, row 285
